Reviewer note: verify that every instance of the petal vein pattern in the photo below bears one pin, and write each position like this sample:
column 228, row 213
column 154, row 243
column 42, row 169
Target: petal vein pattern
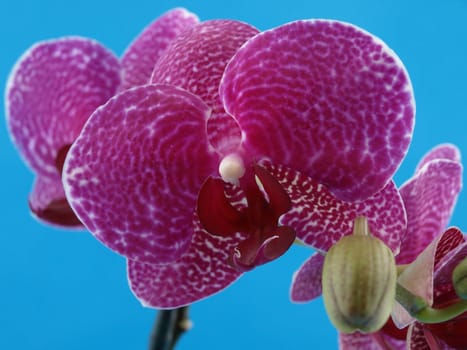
column 52, row 91
column 325, row 98
column 134, row 173
column 196, row 61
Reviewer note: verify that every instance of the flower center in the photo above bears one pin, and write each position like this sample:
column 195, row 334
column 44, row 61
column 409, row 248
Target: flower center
column 266, row 201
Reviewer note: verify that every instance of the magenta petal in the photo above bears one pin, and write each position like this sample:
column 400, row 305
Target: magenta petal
column 325, row 98
column 52, row 91
column 418, row 338
column 202, row 271
column 48, row 203
column 195, row 62
column 320, row 219
column 451, row 251
column 140, row 57
column 370, row 341
column 134, row 173
column 443, row 151
column 306, row 281
column 418, row 277
column 429, row 198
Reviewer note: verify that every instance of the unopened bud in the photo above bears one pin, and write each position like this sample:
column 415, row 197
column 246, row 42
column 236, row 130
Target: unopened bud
column 459, row 279
column 359, row 281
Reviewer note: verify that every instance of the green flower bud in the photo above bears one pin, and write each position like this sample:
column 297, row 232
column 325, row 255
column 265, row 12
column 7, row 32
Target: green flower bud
column 359, row 281
column 459, row 279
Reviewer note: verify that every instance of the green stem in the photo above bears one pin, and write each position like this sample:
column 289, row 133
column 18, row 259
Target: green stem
column 419, row 309
column 169, row 326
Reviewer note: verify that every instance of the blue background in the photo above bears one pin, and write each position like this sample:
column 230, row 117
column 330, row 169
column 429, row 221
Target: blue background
column 64, row 290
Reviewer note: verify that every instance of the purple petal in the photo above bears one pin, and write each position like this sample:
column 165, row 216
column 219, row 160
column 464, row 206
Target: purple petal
column 134, row 173
column 443, row 151
column 325, row 98
column 48, row 203
column 420, row 338
column 320, row 219
column 140, row 57
column 52, row 91
column 418, row 277
column 202, row 271
column 429, row 198
column 306, row 281
column 370, row 341
column 450, row 252
column 195, row 62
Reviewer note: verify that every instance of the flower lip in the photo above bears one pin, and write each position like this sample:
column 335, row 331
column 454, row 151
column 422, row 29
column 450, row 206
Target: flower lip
column 266, row 201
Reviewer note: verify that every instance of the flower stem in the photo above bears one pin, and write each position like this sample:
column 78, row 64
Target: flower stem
column 168, row 327
column 419, row 309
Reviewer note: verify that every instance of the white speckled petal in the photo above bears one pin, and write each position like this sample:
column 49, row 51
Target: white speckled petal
column 196, row 61
column 444, row 151
column 140, row 57
column 202, row 271
column 52, row 91
column 306, row 281
column 429, row 198
column 325, row 98
column 320, row 219
column 134, row 173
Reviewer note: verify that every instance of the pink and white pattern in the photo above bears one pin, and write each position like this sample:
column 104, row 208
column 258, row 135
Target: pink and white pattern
column 429, row 197
column 133, row 179
column 329, row 83
column 55, row 87
column 51, row 92
column 140, row 57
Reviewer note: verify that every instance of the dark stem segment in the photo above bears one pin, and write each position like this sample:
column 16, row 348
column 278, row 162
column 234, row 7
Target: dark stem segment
column 168, row 327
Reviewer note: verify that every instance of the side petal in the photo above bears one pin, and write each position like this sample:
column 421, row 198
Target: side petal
column 450, row 252
column 48, row 203
column 134, row 173
column 444, row 151
column 320, row 219
column 418, row 277
column 325, row 98
column 140, row 57
column 306, row 281
column 195, row 62
column 52, row 91
column 429, row 198
column 202, row 271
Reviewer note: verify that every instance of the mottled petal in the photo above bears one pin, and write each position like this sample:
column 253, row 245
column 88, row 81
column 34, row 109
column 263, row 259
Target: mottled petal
column 52, row 91
column 444, row 151
column 420, row 338
column 48, row 203
column 306, row 281
column 325, row 98
column 429, row 198
column 418, row 277
column 140, row 57
column 134, row 173
column 320, row 219
column 450, row 252
column 195, row 62
column 370, row 341
column 202, row 271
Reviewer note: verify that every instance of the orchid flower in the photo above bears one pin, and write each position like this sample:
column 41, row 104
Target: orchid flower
column 243, row 142
column 429, row 199
column 54, row 88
